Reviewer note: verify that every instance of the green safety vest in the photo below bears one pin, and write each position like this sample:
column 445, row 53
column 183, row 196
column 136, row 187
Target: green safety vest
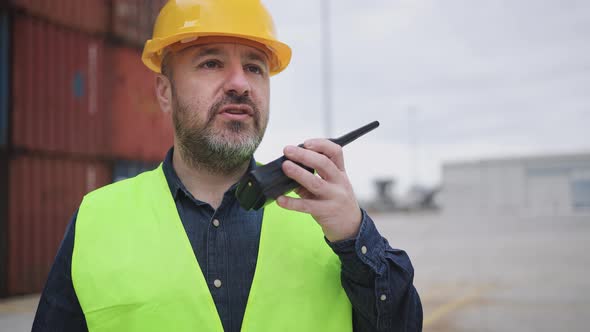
column 133, row 268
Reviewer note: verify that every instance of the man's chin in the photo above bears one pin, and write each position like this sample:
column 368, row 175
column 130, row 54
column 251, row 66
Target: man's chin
column 233, row 133
column 226, row 138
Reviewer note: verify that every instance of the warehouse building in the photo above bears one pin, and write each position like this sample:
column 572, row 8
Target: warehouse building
column 557, row 185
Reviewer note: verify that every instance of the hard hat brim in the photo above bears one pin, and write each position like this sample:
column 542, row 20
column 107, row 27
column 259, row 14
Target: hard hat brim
column 153, row 51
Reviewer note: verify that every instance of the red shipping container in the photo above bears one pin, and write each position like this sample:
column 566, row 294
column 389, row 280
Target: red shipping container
column 141, row 131
column 58, row 90
column 88, row 15
column 3, row 221
column 43, row 194
column 133, row 20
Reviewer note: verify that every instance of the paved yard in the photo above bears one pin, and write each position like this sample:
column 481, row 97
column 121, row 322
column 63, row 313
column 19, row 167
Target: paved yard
column 473, row 273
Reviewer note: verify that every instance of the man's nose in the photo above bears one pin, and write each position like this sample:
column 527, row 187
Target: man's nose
column 237, row 82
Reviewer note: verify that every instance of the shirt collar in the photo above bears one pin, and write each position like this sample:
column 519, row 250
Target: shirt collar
column 175, row 184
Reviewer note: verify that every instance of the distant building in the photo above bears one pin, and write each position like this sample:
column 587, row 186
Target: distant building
column 557, row 185
column 383, row 200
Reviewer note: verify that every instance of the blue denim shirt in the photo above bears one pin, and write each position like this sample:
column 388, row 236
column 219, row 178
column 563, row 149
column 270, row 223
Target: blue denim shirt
column 378, row 282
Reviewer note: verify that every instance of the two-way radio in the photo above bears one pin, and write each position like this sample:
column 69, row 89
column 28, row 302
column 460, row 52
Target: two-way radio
column 265, row 183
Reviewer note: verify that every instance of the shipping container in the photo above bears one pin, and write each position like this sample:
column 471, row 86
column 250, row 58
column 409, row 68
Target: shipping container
column 127, row 169
column 43, row 195
column 4, row 176
column 4, row 77
column 58, row 93
column 133, row 20
column 88, row 15
column 140, row 130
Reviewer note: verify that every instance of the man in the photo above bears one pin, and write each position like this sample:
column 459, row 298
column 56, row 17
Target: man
column 171, row 249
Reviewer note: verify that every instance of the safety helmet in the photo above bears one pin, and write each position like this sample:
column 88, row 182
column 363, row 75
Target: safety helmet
column 184, row 21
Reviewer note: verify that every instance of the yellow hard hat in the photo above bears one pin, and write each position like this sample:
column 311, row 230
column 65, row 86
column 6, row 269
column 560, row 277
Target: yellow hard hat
column 184, row 21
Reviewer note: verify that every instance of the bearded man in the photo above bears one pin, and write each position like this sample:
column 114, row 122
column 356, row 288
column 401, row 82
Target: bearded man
column 172, row 250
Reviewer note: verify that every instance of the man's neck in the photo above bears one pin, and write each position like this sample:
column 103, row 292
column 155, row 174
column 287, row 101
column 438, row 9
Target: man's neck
column 204, row 185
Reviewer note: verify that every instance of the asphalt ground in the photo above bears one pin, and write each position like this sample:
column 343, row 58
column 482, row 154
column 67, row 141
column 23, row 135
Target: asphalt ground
column 473, row 273
column 16, row 314
column 497, row 273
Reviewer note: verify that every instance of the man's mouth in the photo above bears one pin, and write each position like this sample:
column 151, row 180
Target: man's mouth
column 234, row 111
column 237, row 109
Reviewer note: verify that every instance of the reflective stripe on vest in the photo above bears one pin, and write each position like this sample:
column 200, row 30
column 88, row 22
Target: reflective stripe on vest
column 133, row 268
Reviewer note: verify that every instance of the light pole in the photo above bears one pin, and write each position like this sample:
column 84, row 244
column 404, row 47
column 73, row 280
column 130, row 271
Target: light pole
column 413, row 170
column 326, row 45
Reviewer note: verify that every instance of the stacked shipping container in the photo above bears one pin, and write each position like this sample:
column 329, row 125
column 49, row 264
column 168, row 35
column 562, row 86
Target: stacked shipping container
column 4, row 76
column 133, row 20
column 141, row 131
column 128, row 169
column 4, row 201
column 57, row 90
column 44, row 193
column 77, row 109
column 91, row 16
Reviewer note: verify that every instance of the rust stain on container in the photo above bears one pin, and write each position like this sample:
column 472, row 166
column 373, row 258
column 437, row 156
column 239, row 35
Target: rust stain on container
column 59, row 99
column 140, row 130
column 43, row 194
column 88, row 15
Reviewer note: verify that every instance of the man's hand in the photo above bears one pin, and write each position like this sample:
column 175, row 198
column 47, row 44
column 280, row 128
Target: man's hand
column 329, row 197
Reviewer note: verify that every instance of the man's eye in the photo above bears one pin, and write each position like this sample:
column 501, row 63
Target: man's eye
column 211, row 64
column 254, row 69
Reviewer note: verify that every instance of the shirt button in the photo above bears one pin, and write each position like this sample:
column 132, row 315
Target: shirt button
column 215, row 222
column 383, row 297
column 364, row 250
column 217, row 283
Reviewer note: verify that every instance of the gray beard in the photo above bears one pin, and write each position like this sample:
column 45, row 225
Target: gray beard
column 204, row 149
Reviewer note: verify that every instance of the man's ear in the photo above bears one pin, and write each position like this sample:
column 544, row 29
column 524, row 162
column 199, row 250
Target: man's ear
column 164, row 92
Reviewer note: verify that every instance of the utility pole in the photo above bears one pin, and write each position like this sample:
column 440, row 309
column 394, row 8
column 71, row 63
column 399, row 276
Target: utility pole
column 413, row 171
column 326, row 45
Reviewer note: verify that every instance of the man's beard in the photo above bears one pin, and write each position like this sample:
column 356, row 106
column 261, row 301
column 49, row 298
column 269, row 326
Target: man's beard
column 216, row 150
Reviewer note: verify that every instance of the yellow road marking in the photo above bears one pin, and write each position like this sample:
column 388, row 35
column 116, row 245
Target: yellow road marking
column 451, row 306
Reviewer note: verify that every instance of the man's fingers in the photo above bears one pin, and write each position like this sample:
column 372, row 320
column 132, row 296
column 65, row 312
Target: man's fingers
column 328, row 148
column 296, row 204
column 325, row 167
column 312, row 183
column 303, row 193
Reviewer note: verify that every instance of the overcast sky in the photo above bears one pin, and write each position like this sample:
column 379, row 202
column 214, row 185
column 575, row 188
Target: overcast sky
column 472, row 79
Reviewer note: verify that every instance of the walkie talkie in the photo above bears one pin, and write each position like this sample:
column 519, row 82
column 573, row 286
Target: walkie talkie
column 264, row 184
